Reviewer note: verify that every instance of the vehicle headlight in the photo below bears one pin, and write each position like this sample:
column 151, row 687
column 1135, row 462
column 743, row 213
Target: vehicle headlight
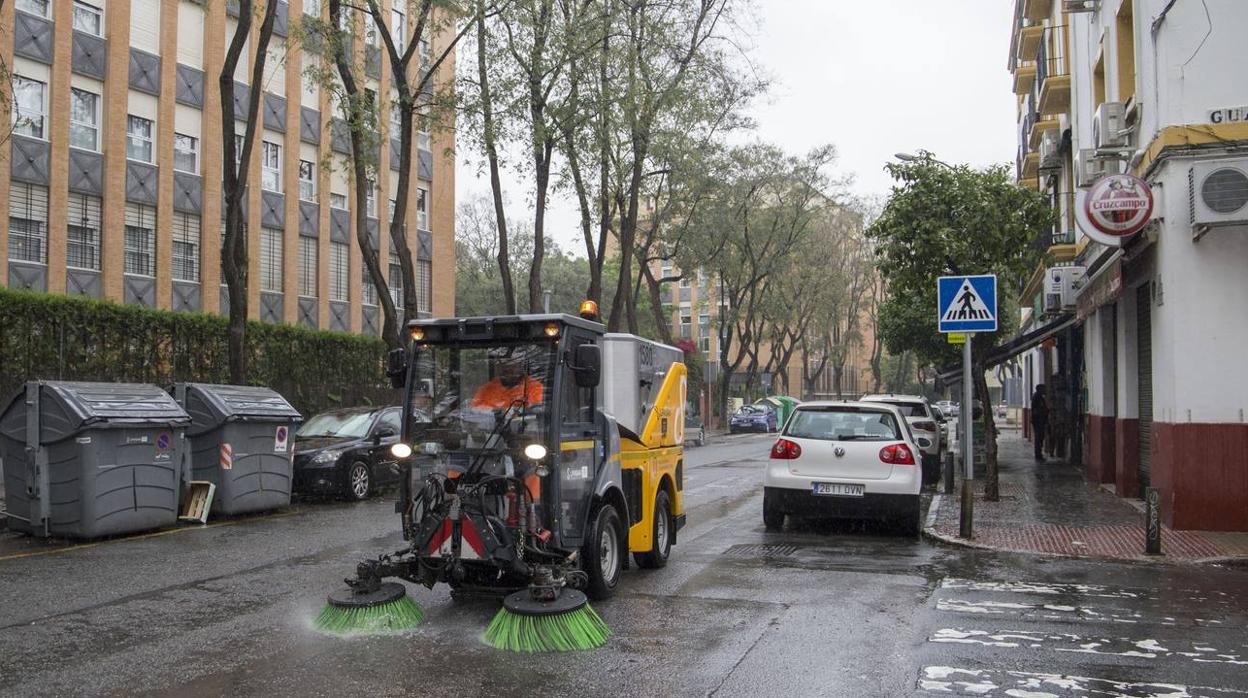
column 535, row 451
column 401, row 450
column 327, row 456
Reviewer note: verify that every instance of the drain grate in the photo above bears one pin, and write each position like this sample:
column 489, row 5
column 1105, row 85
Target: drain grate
column 753, row 550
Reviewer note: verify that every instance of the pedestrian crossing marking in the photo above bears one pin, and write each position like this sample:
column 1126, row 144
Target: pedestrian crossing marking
column 961, row 681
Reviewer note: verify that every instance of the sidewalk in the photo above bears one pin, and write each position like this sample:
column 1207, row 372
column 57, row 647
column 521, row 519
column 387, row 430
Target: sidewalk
column 1048, row 508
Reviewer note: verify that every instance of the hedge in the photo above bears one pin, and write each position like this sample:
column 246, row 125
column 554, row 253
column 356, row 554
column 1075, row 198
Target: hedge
column 54, row 337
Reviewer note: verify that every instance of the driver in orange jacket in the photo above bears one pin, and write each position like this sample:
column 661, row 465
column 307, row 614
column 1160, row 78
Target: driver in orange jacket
column 511, row 385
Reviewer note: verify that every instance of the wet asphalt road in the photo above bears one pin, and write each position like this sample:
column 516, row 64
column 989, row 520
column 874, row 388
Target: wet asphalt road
column 817, row 609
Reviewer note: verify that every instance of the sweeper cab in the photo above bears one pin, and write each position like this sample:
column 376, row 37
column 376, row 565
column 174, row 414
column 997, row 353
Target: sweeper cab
column 540, row 451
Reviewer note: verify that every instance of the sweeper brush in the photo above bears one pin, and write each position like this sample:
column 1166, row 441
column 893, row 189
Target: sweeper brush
column 387, row 609
column 562, row 624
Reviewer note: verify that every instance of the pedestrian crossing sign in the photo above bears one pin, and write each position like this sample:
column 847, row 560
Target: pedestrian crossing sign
column 967, row 303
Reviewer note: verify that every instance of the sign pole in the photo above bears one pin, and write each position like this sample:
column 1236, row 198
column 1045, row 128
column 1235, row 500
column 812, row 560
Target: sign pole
column 968, row 442
column 967, row 304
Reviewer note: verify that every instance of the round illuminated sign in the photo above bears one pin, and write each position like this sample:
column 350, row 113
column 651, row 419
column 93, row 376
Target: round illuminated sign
column 1119, row 205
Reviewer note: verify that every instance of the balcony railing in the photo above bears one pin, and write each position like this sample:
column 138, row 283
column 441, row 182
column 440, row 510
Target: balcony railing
column 1051, row 54
column 1062, row 237
column 1062, row 232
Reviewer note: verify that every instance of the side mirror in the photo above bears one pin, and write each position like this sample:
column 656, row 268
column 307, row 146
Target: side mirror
column 588, row 367
column 383, row 433
column 396, row 367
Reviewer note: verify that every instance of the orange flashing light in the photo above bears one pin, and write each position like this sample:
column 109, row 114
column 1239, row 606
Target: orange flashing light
column 589, row 310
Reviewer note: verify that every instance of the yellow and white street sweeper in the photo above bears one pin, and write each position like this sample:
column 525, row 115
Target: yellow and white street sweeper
column 541, row 451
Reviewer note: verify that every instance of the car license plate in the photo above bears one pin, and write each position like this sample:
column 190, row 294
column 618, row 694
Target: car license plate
column 839, row 490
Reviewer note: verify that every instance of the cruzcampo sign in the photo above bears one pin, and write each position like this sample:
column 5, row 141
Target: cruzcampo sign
column 1116, row 207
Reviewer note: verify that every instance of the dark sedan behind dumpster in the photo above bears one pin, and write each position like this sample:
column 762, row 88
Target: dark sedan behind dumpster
column 347, row 452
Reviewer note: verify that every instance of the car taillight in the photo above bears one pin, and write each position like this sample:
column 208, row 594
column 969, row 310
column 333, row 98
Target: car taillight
column 925, row 426
column 897, row 454
column 785, row 450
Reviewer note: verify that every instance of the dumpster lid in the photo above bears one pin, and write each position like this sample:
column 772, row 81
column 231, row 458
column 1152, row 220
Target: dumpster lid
column 85, row 402
column 244, row 402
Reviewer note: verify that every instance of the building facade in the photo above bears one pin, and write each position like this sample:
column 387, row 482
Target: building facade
column 1147, row 338
column 113, row 182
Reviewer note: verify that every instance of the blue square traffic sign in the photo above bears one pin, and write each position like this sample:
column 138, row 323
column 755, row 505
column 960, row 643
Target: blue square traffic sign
column 967, row 303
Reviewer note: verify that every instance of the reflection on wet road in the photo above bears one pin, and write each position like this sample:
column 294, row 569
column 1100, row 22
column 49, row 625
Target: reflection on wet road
column 818, row 609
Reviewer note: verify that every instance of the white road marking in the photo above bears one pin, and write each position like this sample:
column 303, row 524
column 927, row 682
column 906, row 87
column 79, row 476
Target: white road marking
column 1147, row 648
column 1024, row 684
column 1226, row 604
column 1096, row 590
column 1048, row 611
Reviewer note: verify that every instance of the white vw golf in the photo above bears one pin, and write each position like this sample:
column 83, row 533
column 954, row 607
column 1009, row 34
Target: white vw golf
column 845, row 460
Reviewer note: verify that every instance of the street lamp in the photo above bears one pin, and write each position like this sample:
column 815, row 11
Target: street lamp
column 908, row 157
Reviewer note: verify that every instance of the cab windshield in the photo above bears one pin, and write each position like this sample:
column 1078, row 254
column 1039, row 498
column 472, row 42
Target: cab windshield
column 473, row 398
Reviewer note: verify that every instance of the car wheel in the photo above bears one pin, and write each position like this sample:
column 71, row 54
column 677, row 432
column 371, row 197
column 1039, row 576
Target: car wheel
column 661, row 534
column 604, row 553
column 773, row 515
column 359, row 482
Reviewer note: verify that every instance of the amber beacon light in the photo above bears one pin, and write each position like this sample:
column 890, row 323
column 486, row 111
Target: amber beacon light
column 589, row 310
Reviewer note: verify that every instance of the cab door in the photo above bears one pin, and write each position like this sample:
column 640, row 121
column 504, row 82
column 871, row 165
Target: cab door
column 580, row 443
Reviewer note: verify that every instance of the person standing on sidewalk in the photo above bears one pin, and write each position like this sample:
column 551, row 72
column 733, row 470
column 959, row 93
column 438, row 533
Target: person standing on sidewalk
column 1039, row 420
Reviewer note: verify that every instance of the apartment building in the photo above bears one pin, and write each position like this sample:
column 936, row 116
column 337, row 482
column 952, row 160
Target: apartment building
column 113, row 185
column 1144, row 338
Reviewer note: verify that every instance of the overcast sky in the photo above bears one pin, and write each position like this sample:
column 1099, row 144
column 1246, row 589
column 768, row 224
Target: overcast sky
column 872, row 77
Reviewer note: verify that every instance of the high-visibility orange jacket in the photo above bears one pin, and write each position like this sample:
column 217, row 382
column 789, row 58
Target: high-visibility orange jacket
column 496, row 396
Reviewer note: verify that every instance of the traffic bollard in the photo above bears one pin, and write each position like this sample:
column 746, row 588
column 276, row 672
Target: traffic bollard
column 948, row 467
column 1152, row 521
column 968, row 507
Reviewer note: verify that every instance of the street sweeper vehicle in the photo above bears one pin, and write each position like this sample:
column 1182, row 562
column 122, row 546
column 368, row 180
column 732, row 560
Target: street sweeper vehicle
column 540, row 451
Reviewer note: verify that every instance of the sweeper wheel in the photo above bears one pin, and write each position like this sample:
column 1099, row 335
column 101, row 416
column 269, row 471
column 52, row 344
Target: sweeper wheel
column 388, row 592
column 522, row 603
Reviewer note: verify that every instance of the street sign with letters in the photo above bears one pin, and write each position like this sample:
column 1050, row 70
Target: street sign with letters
column 967, row 303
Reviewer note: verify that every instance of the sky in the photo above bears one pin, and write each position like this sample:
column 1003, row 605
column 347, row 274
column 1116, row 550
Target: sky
column 872, row 77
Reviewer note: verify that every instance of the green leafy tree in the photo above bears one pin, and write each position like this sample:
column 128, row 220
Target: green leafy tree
column 945, row 221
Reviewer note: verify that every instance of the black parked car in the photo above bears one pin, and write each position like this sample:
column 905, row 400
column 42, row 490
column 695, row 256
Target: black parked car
column 347, row 452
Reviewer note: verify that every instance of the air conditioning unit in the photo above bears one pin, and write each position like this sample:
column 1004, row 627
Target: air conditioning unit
column 1109, row 129
column 1089, row 168
column 1060, row 287
column 1050, row 150
column 1217, row 194
column 1073, row 6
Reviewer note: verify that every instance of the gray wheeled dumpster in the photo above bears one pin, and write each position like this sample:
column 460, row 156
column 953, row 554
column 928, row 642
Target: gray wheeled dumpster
column 241, row 439
column 85, row 460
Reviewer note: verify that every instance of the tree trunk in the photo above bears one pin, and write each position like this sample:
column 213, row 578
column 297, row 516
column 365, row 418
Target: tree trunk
column 491, row 154
column 234, row 179
column 992, row 490
column 359, row 169
column 542, row 164
column 662, row 324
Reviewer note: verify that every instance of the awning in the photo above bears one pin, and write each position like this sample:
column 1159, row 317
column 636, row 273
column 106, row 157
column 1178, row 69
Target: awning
column 1015, row 346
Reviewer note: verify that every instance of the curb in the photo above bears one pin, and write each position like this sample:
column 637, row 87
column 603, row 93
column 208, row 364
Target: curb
column 930, row 532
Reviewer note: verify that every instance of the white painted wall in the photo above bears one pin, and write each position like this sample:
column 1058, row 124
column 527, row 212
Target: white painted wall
column 1199, row 330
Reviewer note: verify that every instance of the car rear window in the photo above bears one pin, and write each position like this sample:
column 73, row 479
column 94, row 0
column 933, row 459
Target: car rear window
column 841, row 424
column 910, row 409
